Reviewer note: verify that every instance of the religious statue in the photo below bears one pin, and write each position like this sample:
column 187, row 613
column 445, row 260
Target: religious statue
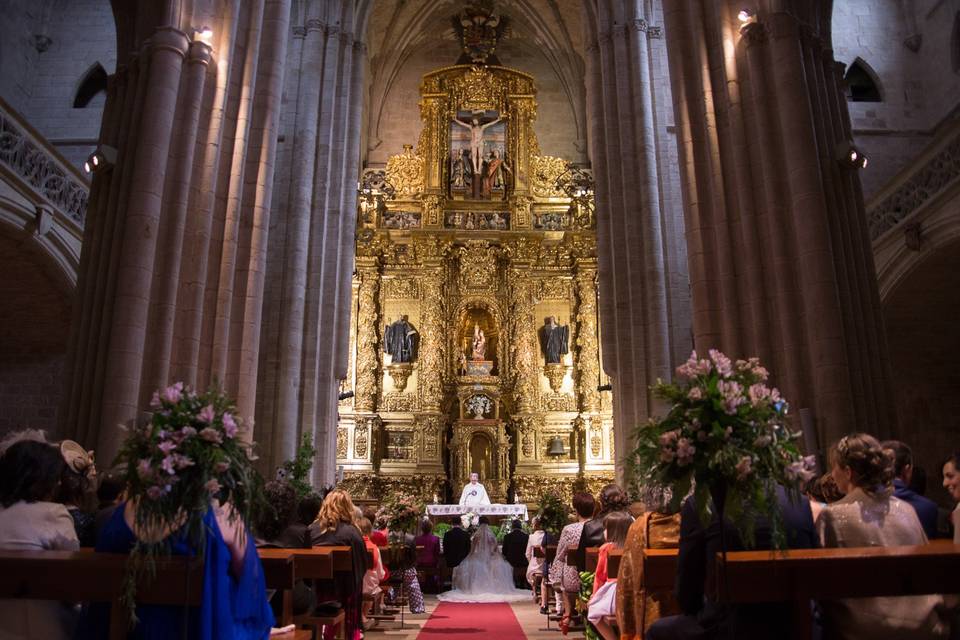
column 474, row 494
column 495, row 169
column 400, row 341
column 476, row 140
column 479, row 344
column 460, row 172
column 554, row 340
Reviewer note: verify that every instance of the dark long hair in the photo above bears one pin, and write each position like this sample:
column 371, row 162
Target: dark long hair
column 30, row 471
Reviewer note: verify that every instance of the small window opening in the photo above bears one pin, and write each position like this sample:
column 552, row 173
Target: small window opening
column 862, row 84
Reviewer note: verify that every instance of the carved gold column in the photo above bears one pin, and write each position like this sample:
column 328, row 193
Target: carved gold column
column 432, row 344
column 586, row 354
column 368, row 334
column 523, row 341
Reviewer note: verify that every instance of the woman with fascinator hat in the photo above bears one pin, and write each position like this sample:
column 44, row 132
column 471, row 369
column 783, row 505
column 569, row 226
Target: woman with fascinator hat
column 78, row 489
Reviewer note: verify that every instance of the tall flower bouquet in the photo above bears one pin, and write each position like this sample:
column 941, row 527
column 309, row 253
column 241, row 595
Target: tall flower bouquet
column 401, row 513
column 726, row 434
column 553, row 513
column 187, row 456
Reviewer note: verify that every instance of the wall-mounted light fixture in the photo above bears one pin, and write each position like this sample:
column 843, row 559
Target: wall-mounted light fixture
column 104, row 157
column 747, row 18
column 850, row 156
column 203, row 34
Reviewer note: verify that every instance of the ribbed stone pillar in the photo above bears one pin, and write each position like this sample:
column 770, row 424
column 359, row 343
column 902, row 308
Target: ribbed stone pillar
column 188, row 132
column 780, row 262
column 305, row 325
column 641, row 305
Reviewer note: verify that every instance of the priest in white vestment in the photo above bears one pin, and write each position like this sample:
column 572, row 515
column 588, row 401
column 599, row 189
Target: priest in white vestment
column 473, row 493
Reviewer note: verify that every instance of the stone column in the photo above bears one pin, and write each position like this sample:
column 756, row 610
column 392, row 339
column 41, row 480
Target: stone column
column 146, row 297
column 307, row 334
column 637, row 261
column 780, row 264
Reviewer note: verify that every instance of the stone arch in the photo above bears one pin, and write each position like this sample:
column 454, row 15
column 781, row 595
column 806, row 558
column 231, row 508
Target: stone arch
column 36, row 312
column 93, row 82
column 862, row 82
column 921, row 314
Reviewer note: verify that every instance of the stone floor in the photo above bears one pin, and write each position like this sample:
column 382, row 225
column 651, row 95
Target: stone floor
column 528, row 615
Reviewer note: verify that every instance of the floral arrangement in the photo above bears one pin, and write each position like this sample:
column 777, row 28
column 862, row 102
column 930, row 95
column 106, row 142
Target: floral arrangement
column 401, row 512
column 297, row 471
column 553, row 513
column 726, row 433
column 479, row 405
column 187, row 456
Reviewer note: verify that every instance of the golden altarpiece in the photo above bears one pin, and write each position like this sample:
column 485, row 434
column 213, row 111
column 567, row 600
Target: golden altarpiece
column 474, row 341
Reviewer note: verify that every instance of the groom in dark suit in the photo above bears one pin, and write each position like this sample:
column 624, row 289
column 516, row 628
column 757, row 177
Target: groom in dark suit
column 456, row 545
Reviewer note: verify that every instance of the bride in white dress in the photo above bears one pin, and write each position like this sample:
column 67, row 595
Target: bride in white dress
column 484, row 575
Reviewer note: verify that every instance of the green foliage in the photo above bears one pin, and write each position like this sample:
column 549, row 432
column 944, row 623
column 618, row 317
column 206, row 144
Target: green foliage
column 725, row 430
column 441, row 528
column 298, row 469
column 553, row 513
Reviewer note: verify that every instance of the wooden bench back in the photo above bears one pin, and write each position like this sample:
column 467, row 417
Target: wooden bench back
column 613, row 560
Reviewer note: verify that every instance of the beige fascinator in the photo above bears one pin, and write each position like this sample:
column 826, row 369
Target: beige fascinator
column 76, row 457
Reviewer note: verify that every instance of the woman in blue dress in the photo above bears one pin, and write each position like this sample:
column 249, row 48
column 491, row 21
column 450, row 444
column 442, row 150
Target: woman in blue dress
column 191, row 487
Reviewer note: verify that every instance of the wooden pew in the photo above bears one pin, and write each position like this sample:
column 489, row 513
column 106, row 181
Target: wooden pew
column 66, row 576
column 660, row 569
column 801, row 575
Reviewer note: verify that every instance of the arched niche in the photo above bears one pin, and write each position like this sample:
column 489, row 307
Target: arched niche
column 485, row 315
column 862, row 83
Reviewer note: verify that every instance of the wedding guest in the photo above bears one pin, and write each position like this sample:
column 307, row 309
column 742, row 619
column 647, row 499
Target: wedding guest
column 515, row 551
column 30, row 520
column 428, row 554
column 903, row 471
column 638, row 606
column 535, row 564
column 110, row 490
column 280, row 511
column 374, row 576
column 295, row 534
column 612, row 498
column 868, row 516
column 603, row 604
column 704, row 616
column 563, row 575
column 380, row 535
column 335, row 526
column 78, row 490
column 951, row 482
column 822, row 491
column 456, row 544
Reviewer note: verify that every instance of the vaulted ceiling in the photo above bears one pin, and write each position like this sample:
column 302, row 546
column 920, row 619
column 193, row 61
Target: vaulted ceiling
column 407, row 35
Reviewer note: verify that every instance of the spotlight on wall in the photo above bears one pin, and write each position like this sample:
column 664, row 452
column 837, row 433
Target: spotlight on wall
column 104, row 157
column 746, row 17
column 605, row 387
column 850, row 156
column 344, row 395
column 204, row 34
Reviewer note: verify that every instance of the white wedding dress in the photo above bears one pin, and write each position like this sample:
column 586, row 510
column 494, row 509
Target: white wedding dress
column 484, row 575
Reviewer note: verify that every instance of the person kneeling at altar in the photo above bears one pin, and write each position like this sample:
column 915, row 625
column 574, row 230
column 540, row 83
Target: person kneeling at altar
column 474, row 494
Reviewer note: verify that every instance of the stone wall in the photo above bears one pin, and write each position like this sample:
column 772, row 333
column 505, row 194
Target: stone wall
column 34, row 318
column 919, row 89
column 40, row 78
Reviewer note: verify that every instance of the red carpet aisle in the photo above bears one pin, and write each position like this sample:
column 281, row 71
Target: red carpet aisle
column 472, row 620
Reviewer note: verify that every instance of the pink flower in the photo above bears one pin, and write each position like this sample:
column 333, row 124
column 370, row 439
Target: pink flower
column 758, row 393
column 167, row 465
column 188, row 432
column 211, row 435
column 685, row 451
column 207, row 414
column 802, row 470
column 173, row 393
column 229, row 425
column 667, row 455
column 732, row 394
column 744, row 467
column 722, row 363
column 182, row 462
column 144, row 469
column 693, row 367
column 167, row 446
column 155, row 400
column 669, row 438
column 155, row 492
column 696, row 393
column 220, row 467
column 212, row 485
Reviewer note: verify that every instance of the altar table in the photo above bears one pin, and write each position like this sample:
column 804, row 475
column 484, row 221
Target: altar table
column 505, row 510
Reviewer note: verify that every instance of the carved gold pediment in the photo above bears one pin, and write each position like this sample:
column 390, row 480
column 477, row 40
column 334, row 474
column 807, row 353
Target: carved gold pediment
column 405, row 173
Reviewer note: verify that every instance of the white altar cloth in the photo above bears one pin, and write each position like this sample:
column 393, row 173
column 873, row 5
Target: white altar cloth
column 514, row 510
